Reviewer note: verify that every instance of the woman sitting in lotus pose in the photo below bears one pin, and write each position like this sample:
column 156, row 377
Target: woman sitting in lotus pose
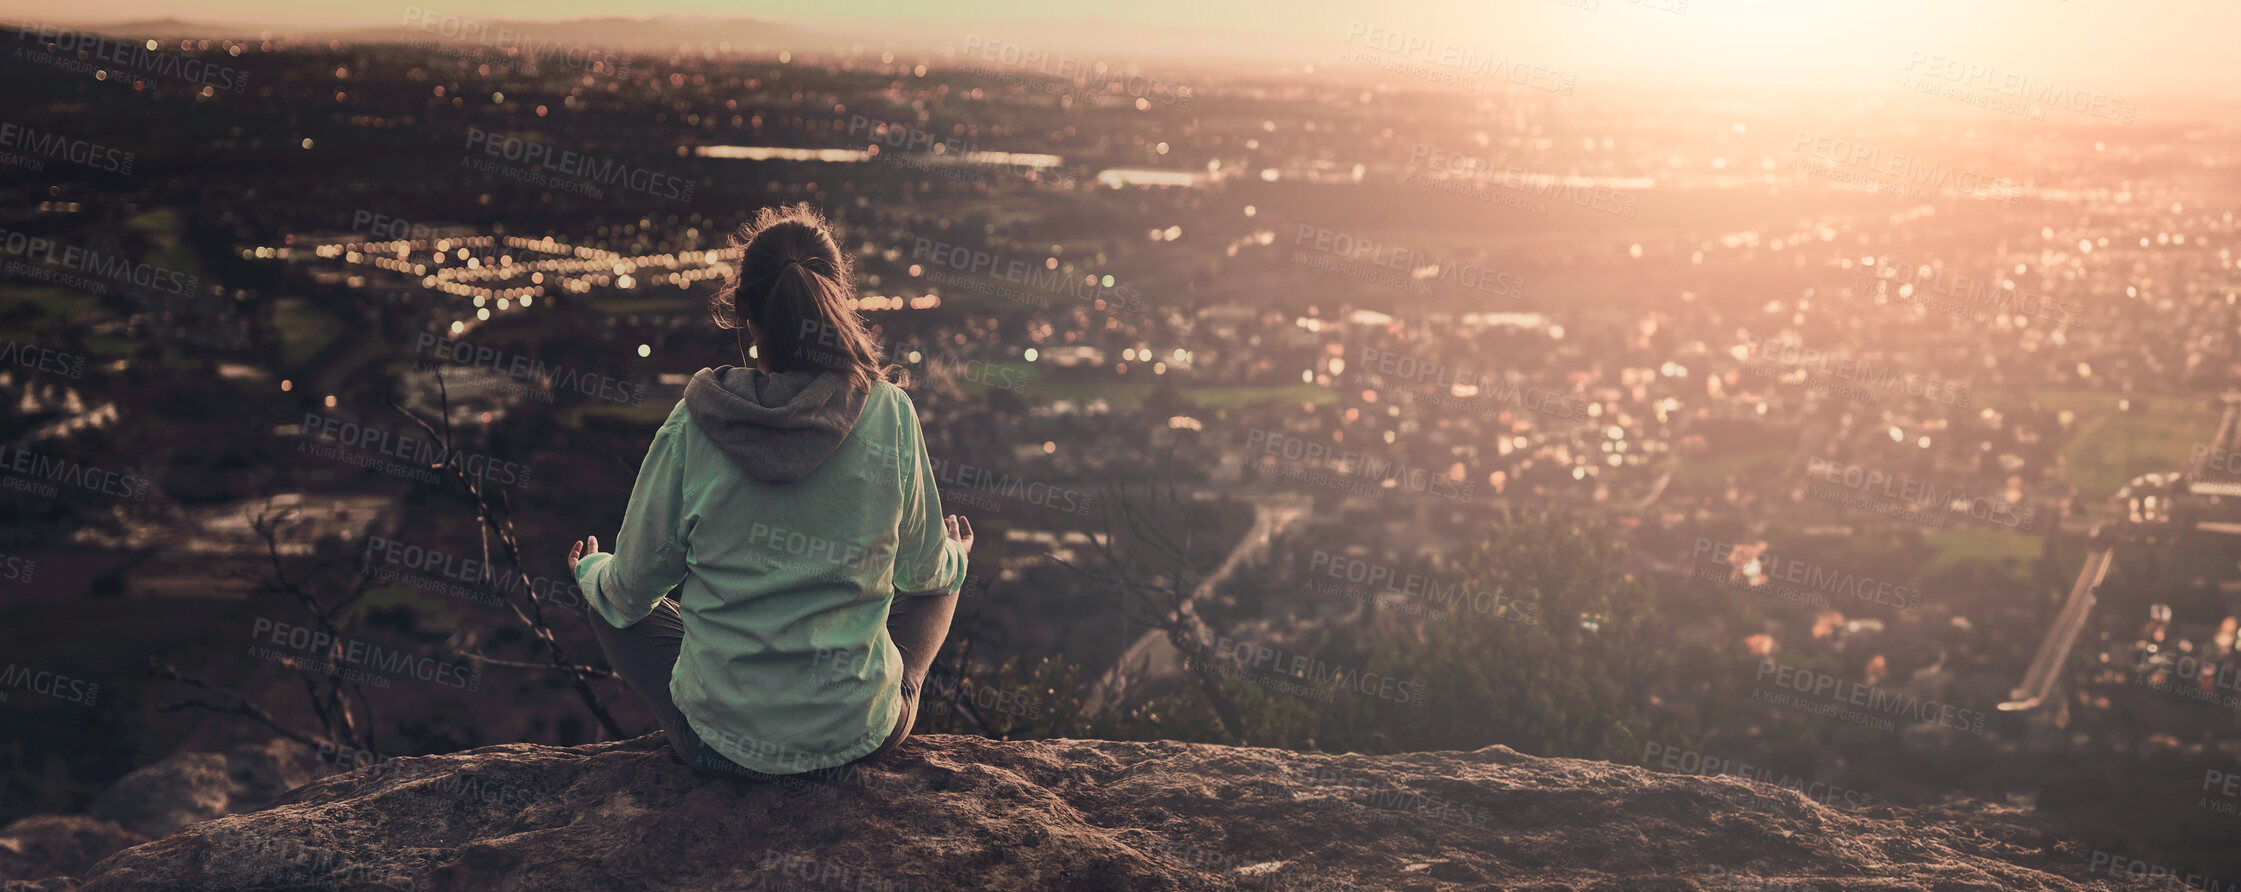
column 784, row 574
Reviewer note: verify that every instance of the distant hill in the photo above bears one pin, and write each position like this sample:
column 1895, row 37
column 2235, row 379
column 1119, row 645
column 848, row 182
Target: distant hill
column 1029, row 44
column 612, row 33
column 637, row 35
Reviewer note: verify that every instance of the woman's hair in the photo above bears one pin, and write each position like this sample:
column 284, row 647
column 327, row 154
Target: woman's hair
column 791, row 293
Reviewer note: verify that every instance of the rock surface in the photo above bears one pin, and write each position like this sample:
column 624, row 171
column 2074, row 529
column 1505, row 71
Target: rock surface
column 59, row 845
column 154, row 800
column 949, row 812
column 186, row 788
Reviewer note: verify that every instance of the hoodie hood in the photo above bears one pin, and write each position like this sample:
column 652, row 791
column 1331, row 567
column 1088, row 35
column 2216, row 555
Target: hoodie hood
column 777, row 427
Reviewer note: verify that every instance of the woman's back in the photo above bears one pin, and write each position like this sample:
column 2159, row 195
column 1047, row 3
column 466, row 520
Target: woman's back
column 783, row 507
column 786, row 509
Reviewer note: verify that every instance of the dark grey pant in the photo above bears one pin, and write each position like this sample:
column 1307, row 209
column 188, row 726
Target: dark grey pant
column 644, row 656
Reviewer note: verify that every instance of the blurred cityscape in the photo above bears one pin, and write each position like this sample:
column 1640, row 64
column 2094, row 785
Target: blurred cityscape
column 1863, row 384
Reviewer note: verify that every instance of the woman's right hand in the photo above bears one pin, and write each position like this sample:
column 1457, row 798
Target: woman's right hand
column 960, row 529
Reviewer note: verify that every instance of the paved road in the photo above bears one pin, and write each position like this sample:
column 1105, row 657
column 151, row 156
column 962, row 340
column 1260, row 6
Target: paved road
column 1152, row 656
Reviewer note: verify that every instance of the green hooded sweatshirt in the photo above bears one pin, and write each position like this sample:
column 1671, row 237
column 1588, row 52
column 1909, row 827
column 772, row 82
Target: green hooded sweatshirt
column 784, row 511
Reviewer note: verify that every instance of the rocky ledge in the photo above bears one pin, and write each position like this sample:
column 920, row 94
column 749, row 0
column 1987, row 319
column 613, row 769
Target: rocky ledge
column 948, row 812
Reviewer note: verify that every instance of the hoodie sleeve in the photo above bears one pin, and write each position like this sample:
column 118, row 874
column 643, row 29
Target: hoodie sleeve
column 649, row 556
column 927, row 561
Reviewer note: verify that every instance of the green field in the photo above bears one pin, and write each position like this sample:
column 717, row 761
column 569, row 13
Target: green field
column 162, row 226
column 1235, row 397
column 1084, row 386
column 1957, row 546
column 1132, row 393
column 55, row 309
column 652, row 304
column 304, row 329
column 647, row 414
column 2104, row 448
column 52, row 308
column 1712, row 469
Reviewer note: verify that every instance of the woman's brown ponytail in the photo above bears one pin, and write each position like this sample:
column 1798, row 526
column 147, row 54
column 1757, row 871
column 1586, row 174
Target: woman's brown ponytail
column 791, row 294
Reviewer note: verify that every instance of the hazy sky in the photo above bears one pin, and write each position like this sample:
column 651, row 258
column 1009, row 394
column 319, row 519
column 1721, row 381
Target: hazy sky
column 2166, row 45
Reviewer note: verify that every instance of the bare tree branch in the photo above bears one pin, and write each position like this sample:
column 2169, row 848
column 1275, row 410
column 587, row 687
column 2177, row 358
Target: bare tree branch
column 498, row 524
column 242, row 706
column 592, row 671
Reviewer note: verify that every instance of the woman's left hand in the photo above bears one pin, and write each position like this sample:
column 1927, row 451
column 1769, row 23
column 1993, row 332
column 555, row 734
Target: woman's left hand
column 589, row 545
